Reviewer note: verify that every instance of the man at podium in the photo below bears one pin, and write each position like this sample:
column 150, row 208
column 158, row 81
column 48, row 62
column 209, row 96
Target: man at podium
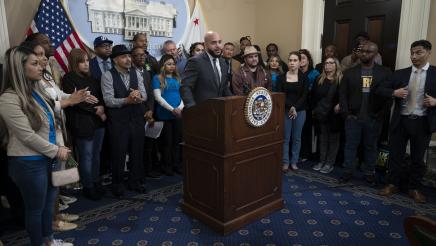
column 205, row 75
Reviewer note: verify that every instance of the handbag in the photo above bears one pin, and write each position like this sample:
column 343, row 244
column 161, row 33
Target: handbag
column 66, row 176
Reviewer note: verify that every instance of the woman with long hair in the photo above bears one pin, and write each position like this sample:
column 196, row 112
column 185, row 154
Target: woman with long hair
column 273, row 66
column 85, row 121
column 312, row 74
column 166, row 87
column 196, row 49
column 34, row 145
column 295, row 86
column 325, row 102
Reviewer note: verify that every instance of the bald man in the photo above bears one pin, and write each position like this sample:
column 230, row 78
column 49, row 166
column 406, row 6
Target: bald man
column 205, row 75
column 363, row 110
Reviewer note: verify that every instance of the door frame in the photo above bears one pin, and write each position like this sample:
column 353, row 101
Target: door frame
column 414, row 19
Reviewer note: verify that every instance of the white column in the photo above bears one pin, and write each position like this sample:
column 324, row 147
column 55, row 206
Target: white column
column 312, row 28
column 413, row 26
column 4, row 35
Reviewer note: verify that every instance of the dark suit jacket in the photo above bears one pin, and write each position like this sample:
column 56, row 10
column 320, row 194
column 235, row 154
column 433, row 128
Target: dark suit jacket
column 95, row 69
column 198, row 83
column 350, row 92
column 401, row 79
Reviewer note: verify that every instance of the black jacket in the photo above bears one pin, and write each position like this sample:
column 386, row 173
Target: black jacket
column 399, row 79
column 81, row 118
column 350, row 92
column 298, row 101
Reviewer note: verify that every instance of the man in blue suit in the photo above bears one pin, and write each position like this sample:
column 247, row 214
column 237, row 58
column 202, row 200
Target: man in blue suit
column 413, row 119
column 101, row 62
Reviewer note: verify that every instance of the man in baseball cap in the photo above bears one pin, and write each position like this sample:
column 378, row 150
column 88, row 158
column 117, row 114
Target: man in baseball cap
column 101, row 62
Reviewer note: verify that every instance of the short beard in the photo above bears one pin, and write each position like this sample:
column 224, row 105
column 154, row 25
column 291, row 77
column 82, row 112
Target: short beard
column 211, row 53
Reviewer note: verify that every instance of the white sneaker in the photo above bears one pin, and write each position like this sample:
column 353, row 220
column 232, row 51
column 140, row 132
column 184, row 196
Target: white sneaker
column 326, row 169
column 64, row 226
column 318, row 166
column 63, row 206
column 60, row 242
column 68, row 217
column 68, row 199
column 285, row 167
column 294, row 166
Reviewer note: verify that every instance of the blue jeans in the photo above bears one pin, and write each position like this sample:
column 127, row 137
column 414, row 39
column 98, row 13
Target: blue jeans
column 354, row 129
column 293, row 128
column 33, row 178
column 89, row 158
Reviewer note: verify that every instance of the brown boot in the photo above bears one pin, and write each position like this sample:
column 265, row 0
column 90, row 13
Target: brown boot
column 388, row 190
column 417, row 196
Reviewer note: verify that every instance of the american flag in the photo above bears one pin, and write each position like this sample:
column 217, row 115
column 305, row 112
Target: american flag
column 52, row 20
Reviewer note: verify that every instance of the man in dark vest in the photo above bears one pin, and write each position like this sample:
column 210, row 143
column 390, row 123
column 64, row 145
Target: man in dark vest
column 124, row 94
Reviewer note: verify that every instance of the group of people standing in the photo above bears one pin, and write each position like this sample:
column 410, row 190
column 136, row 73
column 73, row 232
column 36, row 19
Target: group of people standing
column 100, row 107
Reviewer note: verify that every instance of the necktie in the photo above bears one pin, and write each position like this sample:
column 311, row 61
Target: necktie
column 215, row 71
column 413, row 91
column 106, row 66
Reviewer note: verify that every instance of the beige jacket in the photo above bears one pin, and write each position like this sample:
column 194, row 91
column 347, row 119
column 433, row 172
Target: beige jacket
column 23, row 140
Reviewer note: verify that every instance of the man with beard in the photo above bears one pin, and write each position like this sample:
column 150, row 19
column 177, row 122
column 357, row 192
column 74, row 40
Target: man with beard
column 251, row 74
column 233, row 65
column 363, row 110
column 413, row 119
column 243, row 42
column 101, row 62
column 205, row 74
column 150, row 62
column 124, row 94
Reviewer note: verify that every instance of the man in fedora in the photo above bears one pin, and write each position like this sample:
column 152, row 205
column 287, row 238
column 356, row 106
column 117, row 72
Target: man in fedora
column 101, row 62
column 124, row 94
column 205, row 74
column 251, row 74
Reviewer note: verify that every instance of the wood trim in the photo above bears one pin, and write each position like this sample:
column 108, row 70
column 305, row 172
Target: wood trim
column 413, row 26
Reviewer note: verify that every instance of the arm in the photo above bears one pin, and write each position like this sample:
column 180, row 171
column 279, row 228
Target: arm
column 189, row 81
column 303, row 95
column 181, row 105
column 343, row 97
column 162, row 102
column 70, row 86
column 18, row 124
column 141, row 86
column 238, row 83
column 107, row 89
column 268, row 84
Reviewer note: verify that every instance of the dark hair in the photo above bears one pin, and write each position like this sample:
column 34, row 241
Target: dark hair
column 135, row 48
column 245, row 38
column 295, row 53
column 272, row 44
column 165, row 58
column 309, row 57
column 75, row 57
column 33, row 36
column 136, row 36
column 30, row 44
column 424, row 43
column 261, row 63
column 229, row 43
column 192, row 48
column 362, row 34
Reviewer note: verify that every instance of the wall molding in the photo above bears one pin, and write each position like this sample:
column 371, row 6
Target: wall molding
column 312, row 28
column 413, row 26
column 4, row 35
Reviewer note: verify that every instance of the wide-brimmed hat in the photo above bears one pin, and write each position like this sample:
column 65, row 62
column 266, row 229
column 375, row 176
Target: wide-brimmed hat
column 249, row 50
column 102, row 40
column 119, row 50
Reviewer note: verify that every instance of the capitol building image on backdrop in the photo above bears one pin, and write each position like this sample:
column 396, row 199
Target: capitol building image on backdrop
column 128, row 17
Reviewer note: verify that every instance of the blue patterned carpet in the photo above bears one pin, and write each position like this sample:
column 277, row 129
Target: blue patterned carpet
column 316, row 212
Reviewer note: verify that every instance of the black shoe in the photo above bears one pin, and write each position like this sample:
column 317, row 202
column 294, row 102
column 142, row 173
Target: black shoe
column 117, row 190
column 177, row 170
column 139, row 188
column 345, row 178
column 371, row 180
column 91, row 194
column 100, row 188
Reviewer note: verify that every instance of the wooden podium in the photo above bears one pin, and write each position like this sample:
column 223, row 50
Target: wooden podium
column 233, row 171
